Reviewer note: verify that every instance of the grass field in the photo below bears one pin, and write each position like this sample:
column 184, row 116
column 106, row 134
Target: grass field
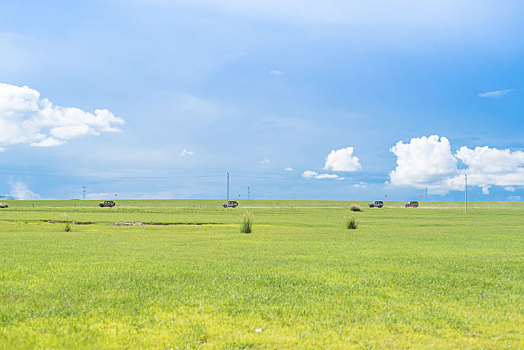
column 406, row 278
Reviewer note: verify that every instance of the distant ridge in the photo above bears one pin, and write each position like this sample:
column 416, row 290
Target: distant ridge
column 8, row 198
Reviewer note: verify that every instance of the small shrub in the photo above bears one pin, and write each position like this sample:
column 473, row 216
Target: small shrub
column 3, row 205
column 355, row 207
column 246, row 225
column 351, row 223
column 67, row 223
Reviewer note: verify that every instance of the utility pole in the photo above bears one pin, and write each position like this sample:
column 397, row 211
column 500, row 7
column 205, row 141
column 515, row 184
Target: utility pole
column 426, row 193
column 227, row 195
column 248, row 194
column 83, row 192
column 466, row 194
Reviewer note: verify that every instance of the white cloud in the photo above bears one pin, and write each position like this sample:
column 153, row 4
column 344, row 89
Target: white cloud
column 185, row 152
column 342, row 160
column 509, row 188
column 492, row 166
column 423, row 161
column 495, row 94
column 276, row 72
column 2, row 149
column 309, row 174
column 25, row 118
column 20, row 190
column 288, row 168
column 47, row 142
column 487, row 160
column 265, row 161
column 361, row 185
column 429, row 162
column 513, row 198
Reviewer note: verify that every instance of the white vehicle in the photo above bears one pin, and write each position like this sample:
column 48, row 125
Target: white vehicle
column 376, row 204
column 230, row 204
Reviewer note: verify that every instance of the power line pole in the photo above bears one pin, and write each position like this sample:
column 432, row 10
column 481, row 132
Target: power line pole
column 426, row 193
column 227, row 195
column 466, row 194
column 248, row 194
column 83, row 192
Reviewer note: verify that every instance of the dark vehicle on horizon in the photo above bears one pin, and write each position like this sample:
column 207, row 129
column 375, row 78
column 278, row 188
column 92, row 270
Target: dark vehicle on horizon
column 108, row 204
column 230, row 204
column 412, row 204
column 376, row 204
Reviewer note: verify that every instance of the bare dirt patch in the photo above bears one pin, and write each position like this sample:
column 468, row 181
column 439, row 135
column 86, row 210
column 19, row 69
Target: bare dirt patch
column 71, row 222
column 138, row 223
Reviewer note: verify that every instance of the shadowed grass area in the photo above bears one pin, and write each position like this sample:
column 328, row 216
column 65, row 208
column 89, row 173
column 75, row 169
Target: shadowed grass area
column 406, row 278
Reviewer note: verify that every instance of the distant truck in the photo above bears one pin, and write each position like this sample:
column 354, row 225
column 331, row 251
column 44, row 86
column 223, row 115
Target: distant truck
column 230, row 204
column 412, row 204
column 376, row 204
column 109, row 204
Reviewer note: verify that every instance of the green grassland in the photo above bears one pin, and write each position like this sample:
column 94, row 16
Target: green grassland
column 406, row 278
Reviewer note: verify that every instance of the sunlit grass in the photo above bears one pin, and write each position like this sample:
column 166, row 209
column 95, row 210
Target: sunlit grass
column 404, row 279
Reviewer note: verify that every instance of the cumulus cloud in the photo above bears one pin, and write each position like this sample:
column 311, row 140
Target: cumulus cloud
column 342, row 160
column 422, row 161
column 492, row 166
column 265, row 161
column 288, row 168
column 309, row 174
column 429, row 162
column 487, row 160
column 20, row 190
column 276, row 72
column 185, row 153
column 495, row 94
column 25, row 118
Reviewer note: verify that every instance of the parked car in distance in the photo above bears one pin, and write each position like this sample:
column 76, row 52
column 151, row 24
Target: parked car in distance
column 412, row 204
column 376, row 204
column 109, row 204
column 231, row 204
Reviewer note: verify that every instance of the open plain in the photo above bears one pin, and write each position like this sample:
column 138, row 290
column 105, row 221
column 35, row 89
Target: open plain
column 406, row 278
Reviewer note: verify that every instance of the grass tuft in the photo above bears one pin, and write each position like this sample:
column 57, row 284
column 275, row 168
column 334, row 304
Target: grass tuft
column 351, row 223
column 355, row 207
column 67, row 223
column 246, row 224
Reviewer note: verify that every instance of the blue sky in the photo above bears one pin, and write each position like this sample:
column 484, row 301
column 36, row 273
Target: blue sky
column 193, row 89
